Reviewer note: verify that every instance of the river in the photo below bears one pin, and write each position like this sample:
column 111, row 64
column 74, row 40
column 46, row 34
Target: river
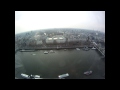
column 70, row 61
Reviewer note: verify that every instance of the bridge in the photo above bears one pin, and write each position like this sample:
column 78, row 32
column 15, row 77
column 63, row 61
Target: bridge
column 99, row 50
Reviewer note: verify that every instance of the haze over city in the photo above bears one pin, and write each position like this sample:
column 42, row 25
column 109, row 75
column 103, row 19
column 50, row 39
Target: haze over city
column 35, row 20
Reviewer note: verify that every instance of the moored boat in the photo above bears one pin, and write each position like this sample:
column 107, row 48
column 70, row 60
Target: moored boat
column 45, row 52
column 77, row 49
column 51, row 51
column 88, row 72
column 93, row 48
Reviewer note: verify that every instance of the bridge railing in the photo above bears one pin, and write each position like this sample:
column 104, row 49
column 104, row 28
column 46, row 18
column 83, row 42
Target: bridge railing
column 99, row 49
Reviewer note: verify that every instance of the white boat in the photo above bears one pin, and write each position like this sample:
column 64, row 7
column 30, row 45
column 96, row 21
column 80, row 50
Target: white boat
column 65, row 49
column 63, row 76
column 77, row 49
column 93, row 48
column 30, row 77
column 45, row 52
column 33, row 54
column 51, row 51
column 25, row 76
column 88, row 72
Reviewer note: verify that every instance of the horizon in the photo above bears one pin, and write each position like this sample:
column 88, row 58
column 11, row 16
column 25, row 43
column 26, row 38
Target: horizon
column 58, row 28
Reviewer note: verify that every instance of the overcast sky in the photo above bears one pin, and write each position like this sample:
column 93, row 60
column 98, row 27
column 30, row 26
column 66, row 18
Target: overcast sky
column 33, row 20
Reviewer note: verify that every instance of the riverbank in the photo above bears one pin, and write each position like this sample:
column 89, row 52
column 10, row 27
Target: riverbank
column 29, row 49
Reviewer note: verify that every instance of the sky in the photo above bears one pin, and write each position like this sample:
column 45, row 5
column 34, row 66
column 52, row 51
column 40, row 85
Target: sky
column 35, row 20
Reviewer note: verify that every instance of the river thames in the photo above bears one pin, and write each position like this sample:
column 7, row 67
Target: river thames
column 72, row 61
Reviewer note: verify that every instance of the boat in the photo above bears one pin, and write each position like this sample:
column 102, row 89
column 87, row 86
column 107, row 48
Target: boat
column 65, row 49
column 30, row 77
column 51, row 51
column 77, row 49
column 25, row 76
column 33, row 54
column 88, row 72
column 93, row 48
column 45, row 52
column 63, row 76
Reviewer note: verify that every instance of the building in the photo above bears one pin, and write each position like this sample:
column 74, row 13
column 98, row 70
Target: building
column 49, row 41
column 59, row 39
column 73, row 40
column 37, row 37
column 39, row 42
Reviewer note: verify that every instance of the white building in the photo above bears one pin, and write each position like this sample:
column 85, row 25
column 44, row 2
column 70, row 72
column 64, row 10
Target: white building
column 59, row 39
column 49, row 41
